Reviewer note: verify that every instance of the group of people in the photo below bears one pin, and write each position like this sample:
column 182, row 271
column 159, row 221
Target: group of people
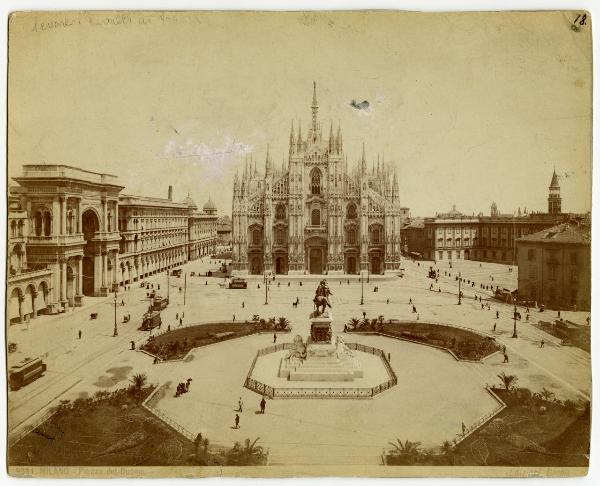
column 183, row 387
column 240, row 409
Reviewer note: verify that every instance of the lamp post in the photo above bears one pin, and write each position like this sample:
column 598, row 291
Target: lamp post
column 115, row 332
column 515, row 320
column 459, row 279
column 266, row 289
column 362, row 288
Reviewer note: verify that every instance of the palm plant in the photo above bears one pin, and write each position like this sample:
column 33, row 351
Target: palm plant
column 508, row 381
column 407, row 448
column 353, row 323
column 282, row 323
column 365, row 323
column 546, row 395
column 271, row 322
column 139, row 380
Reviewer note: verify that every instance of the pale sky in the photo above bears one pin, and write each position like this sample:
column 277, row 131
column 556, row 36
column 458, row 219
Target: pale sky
column 471, row 108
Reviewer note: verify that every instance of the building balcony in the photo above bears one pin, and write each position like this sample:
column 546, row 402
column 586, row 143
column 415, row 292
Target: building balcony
column 311, row 230
column 54, row 240
column 27, row 274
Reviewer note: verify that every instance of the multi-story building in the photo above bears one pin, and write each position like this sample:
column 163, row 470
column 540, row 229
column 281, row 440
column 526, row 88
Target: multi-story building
column 316, row 215
column 454, row 235
column 72, row 233
column 554, row 266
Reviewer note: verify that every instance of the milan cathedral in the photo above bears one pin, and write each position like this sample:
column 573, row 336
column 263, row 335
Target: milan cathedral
column 316, row 215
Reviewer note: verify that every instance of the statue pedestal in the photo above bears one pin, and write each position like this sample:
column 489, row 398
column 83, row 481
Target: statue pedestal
column 325, row 360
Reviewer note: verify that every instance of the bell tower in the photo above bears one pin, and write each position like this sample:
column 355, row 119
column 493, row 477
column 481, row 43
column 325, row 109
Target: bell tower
column 554, row 199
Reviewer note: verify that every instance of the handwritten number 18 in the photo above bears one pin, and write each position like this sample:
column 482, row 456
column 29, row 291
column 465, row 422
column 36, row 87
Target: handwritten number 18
column 581, row 19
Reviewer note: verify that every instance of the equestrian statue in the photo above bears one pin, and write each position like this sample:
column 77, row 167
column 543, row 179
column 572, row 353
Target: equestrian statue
column 321, row 299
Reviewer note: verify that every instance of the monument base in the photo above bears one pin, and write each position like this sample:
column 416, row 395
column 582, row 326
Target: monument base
column 320, row 359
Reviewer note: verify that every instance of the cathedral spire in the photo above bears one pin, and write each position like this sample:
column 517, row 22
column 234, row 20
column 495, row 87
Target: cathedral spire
column 268, row 163
column 299, row 140
column 363, row 161
column 314, row 108
column 338, row 139
column 331, row 140
column 292, row 139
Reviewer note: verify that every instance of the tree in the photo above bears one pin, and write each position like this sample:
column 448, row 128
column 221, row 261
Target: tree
column 407, row 448
column 282, row 324
column 138, row 381
column 353, row 324
column 247, row 455
column 508, row 381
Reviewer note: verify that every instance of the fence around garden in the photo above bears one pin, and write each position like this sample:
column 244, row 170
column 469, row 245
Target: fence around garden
column 321, row 392
column 161, row 416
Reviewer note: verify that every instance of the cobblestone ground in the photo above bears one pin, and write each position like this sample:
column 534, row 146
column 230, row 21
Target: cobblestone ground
column 435, row 393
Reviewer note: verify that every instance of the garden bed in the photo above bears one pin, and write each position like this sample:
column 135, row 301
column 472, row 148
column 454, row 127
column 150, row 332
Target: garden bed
column 464, row 344
column 175, row 344
column 532, row 431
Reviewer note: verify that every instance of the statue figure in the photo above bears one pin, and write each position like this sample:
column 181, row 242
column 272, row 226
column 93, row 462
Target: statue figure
column 321, row 299
column 298, row 350
column 341, row 348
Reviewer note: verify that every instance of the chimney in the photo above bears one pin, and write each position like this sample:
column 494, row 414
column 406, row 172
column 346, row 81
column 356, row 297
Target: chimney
column 170, row 193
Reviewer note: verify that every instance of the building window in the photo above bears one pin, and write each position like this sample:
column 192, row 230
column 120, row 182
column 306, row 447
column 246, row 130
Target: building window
column 280, row 212
column 552, row 272
column 532, row 272
column 351, row 211
column 315, row 182
column 449, row 255
column 531, row 255
column 375, row 236
column 441, row 255
column 280, row 237
column 256, row 237
column 352, row 236
column 315, row 217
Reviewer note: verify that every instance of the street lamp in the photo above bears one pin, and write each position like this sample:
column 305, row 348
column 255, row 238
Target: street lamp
column 515, row 319
column 459, row 279
column 362, row 288
column 115, row 332
column 266, row 289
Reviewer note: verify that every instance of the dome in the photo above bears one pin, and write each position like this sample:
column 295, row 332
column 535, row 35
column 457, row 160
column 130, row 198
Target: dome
column 189, row 202
column 209, row 207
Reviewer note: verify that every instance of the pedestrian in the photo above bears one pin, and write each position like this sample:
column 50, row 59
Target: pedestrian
column 464, row 428
column 389, row 357
column 243, row 304
column 240, row 405
column 122, row 303
column 527, row 317
column 233, row 317
column 263, row 404
column 387, row 301
column 505, row 358
column 169, row 327
column 410, row 300
column 503, row 349
column 494, row 328
column 559, row 314
column 132, row 345
column 497, row 314
column 481, row 306
column 364, row 315
column 414, row 309
column 288, row 284
column 180, row 321
column 542, row 343
column 237, row 421
column 182, row 315
column 439, row 289
column 79, row 333
column 258, row 286
column 177, row 316
column 274, row 338
column 187, row 384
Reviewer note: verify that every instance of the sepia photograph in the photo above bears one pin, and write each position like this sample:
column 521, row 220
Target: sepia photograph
column 298, row 244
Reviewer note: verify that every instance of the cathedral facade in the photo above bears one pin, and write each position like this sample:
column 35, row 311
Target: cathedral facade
column 316, row 215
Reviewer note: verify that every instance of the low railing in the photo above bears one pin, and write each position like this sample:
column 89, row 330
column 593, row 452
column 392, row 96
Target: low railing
column 160, row 415
column 16, row 436
column 318, row 392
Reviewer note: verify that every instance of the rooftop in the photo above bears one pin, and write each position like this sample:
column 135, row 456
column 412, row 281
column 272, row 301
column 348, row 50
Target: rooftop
column 571, row 231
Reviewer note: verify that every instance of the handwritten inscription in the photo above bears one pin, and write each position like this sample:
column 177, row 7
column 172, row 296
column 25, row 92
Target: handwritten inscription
column 118, row 19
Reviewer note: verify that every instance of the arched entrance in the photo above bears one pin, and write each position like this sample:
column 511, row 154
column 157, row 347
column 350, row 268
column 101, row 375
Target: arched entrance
column 315, row 260
column 376, row 267
column 351, row 264
column 256, row 264
column 281, row 264
column 14, row 306
column 90, row 225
